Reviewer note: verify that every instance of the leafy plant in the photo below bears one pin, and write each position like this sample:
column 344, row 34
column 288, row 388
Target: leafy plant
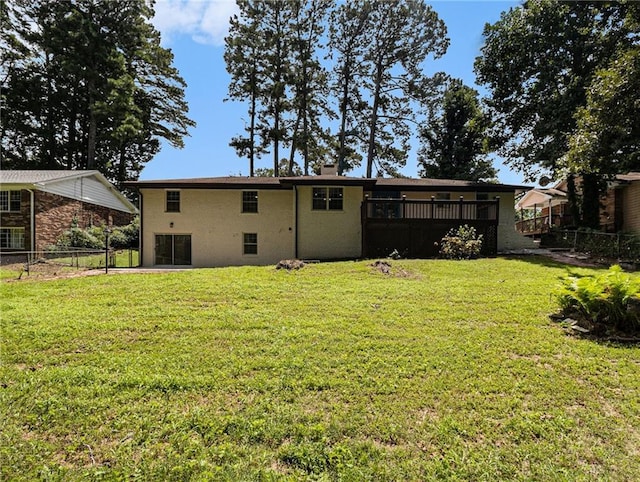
column 610, row 298
column 75, row 237
column 461, row 243
column 94, row 237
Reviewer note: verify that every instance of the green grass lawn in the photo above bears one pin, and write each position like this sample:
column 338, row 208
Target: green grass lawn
column 441, row 370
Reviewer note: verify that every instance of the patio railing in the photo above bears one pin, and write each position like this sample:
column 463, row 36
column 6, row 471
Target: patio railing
column 436, row 209
column 540, row 224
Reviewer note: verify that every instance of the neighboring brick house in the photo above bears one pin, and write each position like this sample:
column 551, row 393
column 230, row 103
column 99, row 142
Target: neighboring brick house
column 36, row 207
column 619, row 206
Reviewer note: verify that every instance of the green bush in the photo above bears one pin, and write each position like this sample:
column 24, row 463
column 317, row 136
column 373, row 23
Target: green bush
column 120, row 237
column 80, row 238
column 461, row 243
column 611, row 299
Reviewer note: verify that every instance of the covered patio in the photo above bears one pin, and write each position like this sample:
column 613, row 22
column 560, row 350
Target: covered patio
column 541, row 209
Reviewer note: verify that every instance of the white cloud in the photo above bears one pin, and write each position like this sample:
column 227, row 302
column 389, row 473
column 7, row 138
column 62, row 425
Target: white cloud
column 207, row 22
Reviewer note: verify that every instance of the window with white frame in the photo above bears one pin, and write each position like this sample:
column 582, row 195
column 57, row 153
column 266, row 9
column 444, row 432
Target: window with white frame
column 327, row 198
column 10, row 201
column 249, row 201
column 12, row 238
column 250, row 243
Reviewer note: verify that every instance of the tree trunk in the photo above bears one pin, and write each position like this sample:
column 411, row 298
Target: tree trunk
column 343, row 114
column 91, row 141
column 122, row 166
column 51, row 138
column 252, row 126
column 572, row 198
column 305, row 119
column 591, row 201
column 373, row 122
column 294, row 137
column 71, row 144
column 276, row 136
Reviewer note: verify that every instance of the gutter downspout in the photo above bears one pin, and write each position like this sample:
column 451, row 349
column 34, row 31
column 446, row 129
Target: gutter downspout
column 32, row 219
column 140, row 231
column 295, row 208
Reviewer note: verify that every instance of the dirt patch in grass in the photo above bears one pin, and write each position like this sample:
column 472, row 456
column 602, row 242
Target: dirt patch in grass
column 385, row 267
column 290, row 264
column 45, row 270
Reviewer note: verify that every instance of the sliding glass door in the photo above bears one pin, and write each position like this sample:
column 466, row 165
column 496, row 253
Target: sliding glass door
column 173, row 249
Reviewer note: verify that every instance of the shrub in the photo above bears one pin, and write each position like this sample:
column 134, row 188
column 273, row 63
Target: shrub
column 80, row 238
column 120, row 237
column 461, row 243
column 610, row 299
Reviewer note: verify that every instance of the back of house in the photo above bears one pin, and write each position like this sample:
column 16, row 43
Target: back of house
column 224, row 221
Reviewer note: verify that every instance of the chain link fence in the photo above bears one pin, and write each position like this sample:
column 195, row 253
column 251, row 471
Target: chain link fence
column 624, row 247
column 71, row 259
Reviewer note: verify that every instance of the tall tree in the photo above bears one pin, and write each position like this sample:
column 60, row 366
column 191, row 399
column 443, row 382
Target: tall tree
column 406, row 32
column 379, row 49
column 243, row 47
column 309, row 81
column 94, row 91
column 275, row 61
column 538, row 62
column 349, row 34
column 607, row 137
column 454, row 143
column 272, row 53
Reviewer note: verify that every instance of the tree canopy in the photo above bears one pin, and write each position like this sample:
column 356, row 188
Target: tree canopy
column 454, row 142
column 86, row 85
column 543, row 65
column 377, row 89
column 607, row 135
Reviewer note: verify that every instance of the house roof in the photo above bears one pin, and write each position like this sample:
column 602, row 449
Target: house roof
column 631, row 176
column 557, row 194
column 542, row 198
column 231, row 182
column 87, row 186
column 35, row 177
column 408, row 184
column 412, row 184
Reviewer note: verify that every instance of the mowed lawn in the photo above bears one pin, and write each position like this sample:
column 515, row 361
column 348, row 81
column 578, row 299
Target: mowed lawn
column 439, row 370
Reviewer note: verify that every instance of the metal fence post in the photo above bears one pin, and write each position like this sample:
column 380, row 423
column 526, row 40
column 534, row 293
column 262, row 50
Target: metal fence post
column 106, row 250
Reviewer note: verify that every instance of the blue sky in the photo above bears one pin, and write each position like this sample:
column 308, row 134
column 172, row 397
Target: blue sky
column 194, row 30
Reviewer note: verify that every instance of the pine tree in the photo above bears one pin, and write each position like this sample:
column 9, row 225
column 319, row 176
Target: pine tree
column 405, row 33
column 243, row 47
column 349, row 34
column 94, row 89
column 309, row 82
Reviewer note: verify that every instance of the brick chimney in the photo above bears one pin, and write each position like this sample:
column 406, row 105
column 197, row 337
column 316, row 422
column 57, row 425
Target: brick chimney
column 329, row 170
